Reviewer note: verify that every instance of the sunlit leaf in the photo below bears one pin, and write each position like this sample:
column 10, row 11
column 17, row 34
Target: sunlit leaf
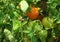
column 24, row 5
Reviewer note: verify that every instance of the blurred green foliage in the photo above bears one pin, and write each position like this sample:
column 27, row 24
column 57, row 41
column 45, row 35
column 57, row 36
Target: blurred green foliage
column 16, row 27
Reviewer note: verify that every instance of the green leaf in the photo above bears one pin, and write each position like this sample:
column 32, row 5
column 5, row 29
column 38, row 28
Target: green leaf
column 16, row 14
column 16, row 24
column 26, row 31
column 31, row 34
column 34, row 39
column 43, row 35
column 58, row 21
column 24, row 23
column 12, row 5
column 8, row 35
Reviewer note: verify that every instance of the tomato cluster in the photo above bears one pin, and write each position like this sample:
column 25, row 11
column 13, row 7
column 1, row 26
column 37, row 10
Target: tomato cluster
column 34, row 14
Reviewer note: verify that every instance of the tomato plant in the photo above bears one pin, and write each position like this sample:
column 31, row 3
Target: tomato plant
column 29, row 20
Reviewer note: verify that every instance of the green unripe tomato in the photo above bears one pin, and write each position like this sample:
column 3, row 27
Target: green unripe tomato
column 47, row 22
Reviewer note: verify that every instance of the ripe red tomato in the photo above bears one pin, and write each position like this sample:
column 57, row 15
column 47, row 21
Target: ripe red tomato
column 34, row 13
